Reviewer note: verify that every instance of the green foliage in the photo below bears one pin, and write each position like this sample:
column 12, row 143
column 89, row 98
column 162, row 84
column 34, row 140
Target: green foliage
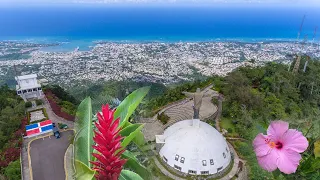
column 256, row 96
column 28, row 104
column 12, row 109
column 163, row 118
column 68, row 107
column 129, row 175
column 84, row 133
column 13, row 170
column 82, row 171
column 62, row 94
column 39, row 102
column 317, row 149
column 134, row 164
column 131, row 132
column 129, row 105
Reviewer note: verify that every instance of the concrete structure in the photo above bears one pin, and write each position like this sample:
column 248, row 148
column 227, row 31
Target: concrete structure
column 194, row 147
column 28, row 87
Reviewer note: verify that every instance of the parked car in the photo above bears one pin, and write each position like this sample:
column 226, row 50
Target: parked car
column 56, row 132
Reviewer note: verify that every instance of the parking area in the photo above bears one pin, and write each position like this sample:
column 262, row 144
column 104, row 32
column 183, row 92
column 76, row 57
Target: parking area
column 47, row 157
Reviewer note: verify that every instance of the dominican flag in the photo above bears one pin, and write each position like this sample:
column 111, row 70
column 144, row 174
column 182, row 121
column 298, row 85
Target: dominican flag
column 39, row 128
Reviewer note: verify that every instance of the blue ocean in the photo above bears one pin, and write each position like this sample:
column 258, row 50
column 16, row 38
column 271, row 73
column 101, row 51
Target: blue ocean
column 80, row 25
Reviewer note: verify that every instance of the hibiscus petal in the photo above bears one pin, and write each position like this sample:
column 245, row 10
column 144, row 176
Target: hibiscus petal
column 269, row 161
column 276, row 129
column 260, row 146
column 288, row 161
column 294, row 140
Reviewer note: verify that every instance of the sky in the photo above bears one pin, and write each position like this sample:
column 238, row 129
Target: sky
column 304, row 2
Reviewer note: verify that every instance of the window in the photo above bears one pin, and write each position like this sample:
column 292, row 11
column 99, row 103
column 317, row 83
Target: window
column 165, row 159
column 227, row 150
column 182, row 159
column 204, row 172
column 177, row 167
column 19, row 92
column 24, row 91
column 192, row 172
column 39, row 89
column 211, row 162
column 177, row 157
column 219, row 169
column 204, row 163
column 224, row 155
column 29, row 90
column 35, row 89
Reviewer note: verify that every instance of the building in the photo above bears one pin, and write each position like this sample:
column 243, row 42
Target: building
column 194, row 147
column 28, row 87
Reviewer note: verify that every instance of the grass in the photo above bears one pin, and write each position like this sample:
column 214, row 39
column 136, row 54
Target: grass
column 226, row 124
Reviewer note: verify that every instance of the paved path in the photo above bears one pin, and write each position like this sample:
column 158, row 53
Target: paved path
column 47, row 157
column 53, row 117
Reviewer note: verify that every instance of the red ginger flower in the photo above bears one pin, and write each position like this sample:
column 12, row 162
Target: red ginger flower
column 108, row 143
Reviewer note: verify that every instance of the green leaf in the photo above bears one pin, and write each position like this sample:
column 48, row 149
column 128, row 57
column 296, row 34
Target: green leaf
column 134, row 164
column 84, row 133
column 132, row 135
column 129, row 104
column 83, row 172
column 129, row 129
column 317, row 149
column 139, row 140
column 129, row 175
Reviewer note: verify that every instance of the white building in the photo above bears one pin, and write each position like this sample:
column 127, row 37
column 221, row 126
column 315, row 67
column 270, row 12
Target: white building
column 28, row 87
column 194, row 147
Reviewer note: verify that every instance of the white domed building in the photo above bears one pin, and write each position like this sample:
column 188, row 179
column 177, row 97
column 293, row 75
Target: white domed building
column 194, row 147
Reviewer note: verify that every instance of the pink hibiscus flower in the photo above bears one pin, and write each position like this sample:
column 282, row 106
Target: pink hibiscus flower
column 280, row 148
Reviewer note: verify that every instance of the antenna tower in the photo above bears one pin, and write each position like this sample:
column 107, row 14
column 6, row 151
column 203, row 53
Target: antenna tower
column 297, row 64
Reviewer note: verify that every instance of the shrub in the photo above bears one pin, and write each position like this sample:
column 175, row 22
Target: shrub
column 39, row 102
column 163, row 118
column 28, row 104
column 229, row 130
column 13, row 171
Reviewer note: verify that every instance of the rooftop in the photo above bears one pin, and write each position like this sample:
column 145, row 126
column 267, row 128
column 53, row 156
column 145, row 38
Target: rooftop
column 194, row 145
column 29, row 76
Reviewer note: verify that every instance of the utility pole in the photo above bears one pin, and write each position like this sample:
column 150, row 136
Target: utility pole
column 301, row 25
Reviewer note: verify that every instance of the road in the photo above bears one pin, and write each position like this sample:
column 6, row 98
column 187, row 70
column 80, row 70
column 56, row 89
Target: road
column 47, row 157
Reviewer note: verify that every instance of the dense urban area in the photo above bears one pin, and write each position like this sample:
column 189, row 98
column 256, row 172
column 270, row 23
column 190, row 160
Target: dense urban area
column 154, row 62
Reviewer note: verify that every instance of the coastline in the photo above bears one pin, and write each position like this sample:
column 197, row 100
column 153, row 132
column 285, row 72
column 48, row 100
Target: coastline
column 65, row 44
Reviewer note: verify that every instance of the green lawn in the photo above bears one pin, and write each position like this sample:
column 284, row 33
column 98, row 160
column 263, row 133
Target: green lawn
column 226, row 123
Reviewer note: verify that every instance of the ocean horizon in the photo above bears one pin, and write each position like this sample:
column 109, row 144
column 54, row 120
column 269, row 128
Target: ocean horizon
column 81, row 26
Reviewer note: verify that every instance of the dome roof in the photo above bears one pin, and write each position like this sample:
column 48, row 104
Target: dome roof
column 195, row 147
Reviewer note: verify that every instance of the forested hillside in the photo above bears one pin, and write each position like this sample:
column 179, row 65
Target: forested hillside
column 256, row 96
column 12, row 126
